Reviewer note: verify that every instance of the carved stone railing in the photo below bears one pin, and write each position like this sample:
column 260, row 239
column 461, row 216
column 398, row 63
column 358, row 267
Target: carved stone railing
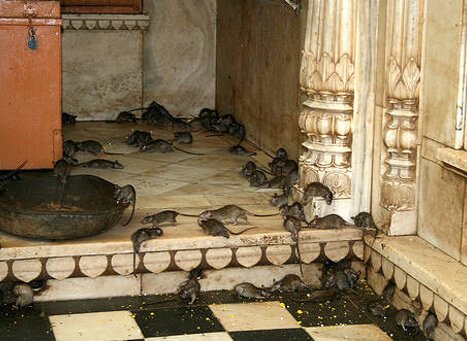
column 106, row 22
column 400, row 122
column 327, row 79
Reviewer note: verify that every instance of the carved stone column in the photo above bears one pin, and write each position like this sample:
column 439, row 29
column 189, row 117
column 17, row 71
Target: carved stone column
column 327, row 80
column 400, row 122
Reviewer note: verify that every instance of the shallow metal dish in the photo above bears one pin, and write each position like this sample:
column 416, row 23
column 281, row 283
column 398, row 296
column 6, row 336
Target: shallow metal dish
column 30, row 208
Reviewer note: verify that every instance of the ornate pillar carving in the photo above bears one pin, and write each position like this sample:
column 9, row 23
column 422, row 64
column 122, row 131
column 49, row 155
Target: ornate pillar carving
column 400, row 121
column 327, row 80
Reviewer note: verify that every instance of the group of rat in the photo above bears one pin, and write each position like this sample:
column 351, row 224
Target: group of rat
column 338, row 278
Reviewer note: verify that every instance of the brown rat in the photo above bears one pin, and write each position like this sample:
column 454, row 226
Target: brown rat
column 364, row 220
column 330, row 221
column 249, row 290
column 184, row 137
column 70, row 148
column 139, row 138
column 289, row 283
column 189, row 289
column 229, row 214
column 407, row 321
column 294, row 226
column 68, row 118
column 126, row 196
column 62, row 170
column 277, row 182
column 216, row 228
column 258, row 179
column 24, row 295
column 295, row 210
column 126, row 117
column 140, row 236
column 167, row 216
column 317, row 189
column 279, row 200
column 163, row 146
column 376, row 308
column 388, row 292
column 429, row 325
column 239, row 150
column 93, row 147
column 101, row 164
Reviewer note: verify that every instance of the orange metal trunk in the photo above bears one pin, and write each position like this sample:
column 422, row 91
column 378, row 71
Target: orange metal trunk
column 30, row 84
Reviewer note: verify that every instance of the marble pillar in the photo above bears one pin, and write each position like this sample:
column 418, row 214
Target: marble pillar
column 327, row 81
column 400, row 136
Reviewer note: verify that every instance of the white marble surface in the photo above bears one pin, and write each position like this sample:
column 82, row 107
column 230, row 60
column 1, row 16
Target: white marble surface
column 103, row 326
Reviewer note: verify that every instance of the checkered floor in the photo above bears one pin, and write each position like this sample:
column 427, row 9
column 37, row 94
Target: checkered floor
column 215, row 316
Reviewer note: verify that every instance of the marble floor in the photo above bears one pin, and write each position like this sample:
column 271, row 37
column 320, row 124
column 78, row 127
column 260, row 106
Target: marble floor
column 215, row 315
column 176, row 181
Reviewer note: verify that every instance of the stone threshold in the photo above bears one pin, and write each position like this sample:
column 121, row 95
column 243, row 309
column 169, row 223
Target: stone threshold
column 422, row 272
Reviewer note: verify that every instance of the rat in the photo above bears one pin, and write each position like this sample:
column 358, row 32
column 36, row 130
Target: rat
column 139, row 138
column 279, row 200
column 365, row 220
column 70, row 148
column 317, row 189
column 406, row 320
column 248, row 169
column 93, row 147
column 163, row 146
column 167, row 216
column 229, row 214
column 277, row 182
column 290, row 180
column 101, row 164
column 376, row 308
column 388, row 292
column 126, row 195
column 240, row 150
column 258, row 179
column 289, row 283
column 68, row 118
column 126, row 116
column 295, row 210
column 429, row 325
column 189, row 289
column 184, row 137
column 140, row 236
column 294, row 226
column 62, row 170
column 24, row 295
column 249, row 290
column 330, row 221
column 216, row 228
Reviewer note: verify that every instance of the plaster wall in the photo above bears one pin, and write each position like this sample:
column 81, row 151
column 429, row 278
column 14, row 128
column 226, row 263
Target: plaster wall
column 180, row 55
column 102, row 71
column 442, row 191
column 258, row 62
column 171, row 60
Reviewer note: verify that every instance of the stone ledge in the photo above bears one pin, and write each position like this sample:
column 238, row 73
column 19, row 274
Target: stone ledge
column 116, row 258
column 424, row 272
column 456, row 159
column 110, row 22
